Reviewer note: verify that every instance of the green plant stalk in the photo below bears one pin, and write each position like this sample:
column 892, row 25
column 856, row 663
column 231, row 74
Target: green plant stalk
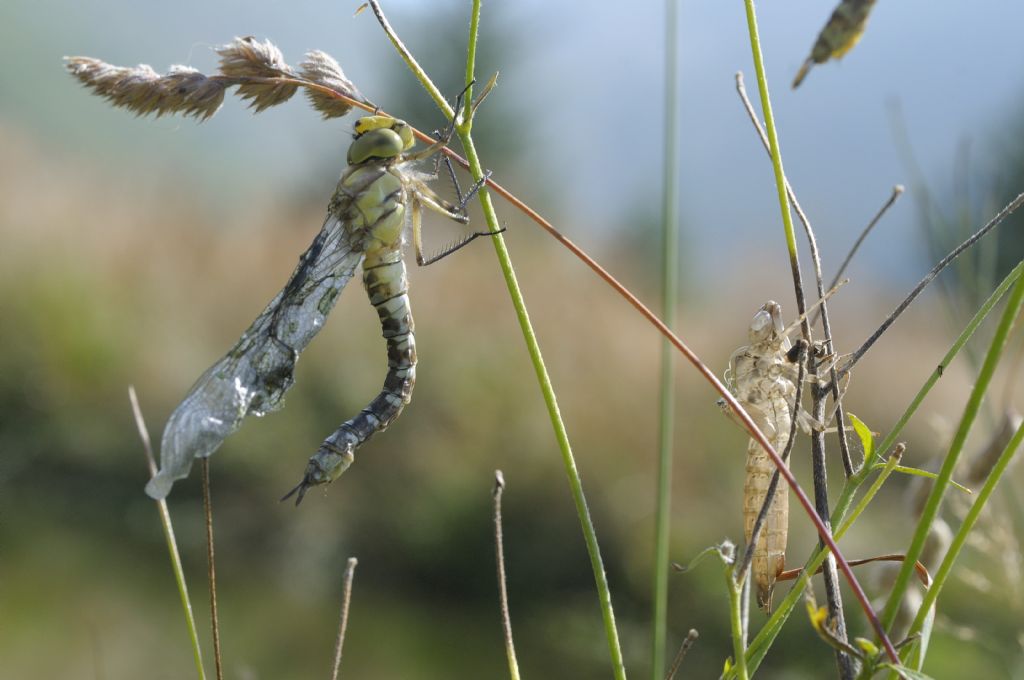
column 787, row 221
column 179, row 579
column 762, row 641
column 561, row 436
column 931, row 508
column 769, row 125
column 942, row 575
column 670, row 285
column 736, row 623
column 543, row 379
column 550, row 400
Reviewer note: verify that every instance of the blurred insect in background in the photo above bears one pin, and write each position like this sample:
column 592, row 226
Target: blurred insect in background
column 840, row 34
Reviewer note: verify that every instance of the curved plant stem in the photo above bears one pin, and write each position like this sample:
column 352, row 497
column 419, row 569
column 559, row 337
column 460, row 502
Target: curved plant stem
column 543, row 379
column 464, row 130
column 670, row 284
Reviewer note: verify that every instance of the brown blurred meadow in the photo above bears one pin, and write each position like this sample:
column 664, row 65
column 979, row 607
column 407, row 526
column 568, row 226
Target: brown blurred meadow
column 111, row 277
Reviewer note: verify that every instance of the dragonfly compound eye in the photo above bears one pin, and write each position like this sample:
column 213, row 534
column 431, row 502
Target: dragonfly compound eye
column 760, row 327
column 381, row 143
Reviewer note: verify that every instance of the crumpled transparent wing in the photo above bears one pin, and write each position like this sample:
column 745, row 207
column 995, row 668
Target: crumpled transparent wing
column 255, row 374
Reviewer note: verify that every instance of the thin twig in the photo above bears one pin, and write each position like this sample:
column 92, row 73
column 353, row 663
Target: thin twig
column 211, row 573
column 140, row 424
column 974, row 238
column 688, row 641
column 172, row 542
column 833, row 596
column 346, row 599
column 897, row 191
column 499, row 553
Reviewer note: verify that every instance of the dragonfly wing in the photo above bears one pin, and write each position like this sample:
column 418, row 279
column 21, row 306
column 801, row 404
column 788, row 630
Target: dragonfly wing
column 255, row 374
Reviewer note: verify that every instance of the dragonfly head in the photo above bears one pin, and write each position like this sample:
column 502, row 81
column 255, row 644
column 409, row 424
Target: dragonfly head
column 767, row 324
column 379, row 137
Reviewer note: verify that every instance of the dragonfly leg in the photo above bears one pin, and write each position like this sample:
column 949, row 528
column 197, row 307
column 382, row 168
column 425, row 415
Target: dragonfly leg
column 449, row 131
column 422, row 197
column 457, row 245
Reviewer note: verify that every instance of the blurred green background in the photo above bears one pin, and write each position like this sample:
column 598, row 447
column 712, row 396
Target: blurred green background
column 135, row 251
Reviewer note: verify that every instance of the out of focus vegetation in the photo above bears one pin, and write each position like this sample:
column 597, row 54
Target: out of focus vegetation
column 116, row 278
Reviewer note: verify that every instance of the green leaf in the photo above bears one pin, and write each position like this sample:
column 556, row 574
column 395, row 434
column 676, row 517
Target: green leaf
column 930, row 475
column 867, row 439
column 866, row 646
column 908, row 673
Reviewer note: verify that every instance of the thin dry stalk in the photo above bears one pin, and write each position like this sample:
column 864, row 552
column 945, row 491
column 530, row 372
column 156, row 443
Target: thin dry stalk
column 211, row 569
column 688, row 641
column 499, row 550
column 897, row 191
column 346, row 599
column 928, row 278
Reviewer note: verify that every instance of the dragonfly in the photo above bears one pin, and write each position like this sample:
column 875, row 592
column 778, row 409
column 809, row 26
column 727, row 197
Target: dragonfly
column 763, row 376
column 378, row 193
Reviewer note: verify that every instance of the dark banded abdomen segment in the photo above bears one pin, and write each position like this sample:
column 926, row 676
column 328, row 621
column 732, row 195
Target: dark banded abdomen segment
column 387, row 287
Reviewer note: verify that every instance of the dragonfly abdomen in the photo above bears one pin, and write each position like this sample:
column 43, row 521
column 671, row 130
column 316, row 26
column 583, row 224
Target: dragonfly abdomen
column 770, row 550
column 763, row 378
column 384, row 278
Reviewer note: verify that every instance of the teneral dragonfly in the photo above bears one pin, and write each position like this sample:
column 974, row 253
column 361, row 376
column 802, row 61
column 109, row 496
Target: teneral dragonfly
column 376, row 195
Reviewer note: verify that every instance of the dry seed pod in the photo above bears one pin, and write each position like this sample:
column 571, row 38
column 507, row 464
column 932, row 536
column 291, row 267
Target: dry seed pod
column 247, row 57
column 256, row 68
column 321, row 68
column 143, row 91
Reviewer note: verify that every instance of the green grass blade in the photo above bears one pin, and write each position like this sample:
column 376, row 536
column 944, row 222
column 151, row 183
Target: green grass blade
column 931, row 509
column 670, row 284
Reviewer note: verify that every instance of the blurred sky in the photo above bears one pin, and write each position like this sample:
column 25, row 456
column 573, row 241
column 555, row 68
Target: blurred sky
column 587, row 80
